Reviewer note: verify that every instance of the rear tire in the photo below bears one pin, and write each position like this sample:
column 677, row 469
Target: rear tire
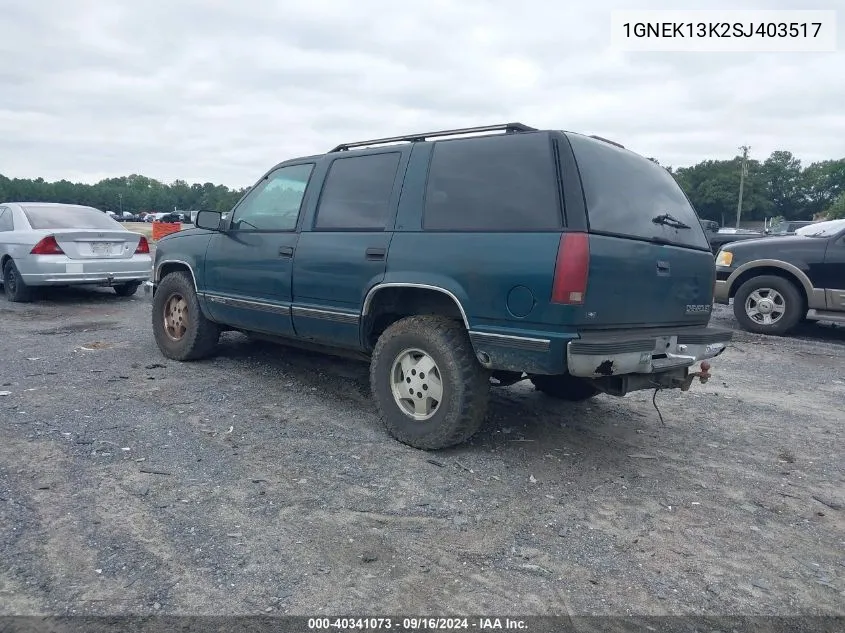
column 564, row 387
column 13, row 285
column 127, row 289
column 768, row 305
column 180, row 329
column 430, row 390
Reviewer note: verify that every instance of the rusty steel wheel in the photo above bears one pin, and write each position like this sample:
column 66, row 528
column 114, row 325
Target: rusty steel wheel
column 176, row 317
column 181, row 330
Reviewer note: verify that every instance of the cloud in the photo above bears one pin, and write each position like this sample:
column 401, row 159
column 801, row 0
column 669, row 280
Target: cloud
column 214, row 90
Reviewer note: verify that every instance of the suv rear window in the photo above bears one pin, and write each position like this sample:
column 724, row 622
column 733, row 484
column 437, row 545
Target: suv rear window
column 69, row 217
column 495, row 183
column 625, row 192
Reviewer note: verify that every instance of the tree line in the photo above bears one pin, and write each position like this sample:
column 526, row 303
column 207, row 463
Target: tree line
column 779, row 186
column 128, row 193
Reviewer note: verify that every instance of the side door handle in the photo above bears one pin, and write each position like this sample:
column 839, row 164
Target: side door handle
column 375, row 253
column 286, row 251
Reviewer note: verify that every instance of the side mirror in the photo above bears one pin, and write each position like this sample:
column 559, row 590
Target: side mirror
column 208, row 220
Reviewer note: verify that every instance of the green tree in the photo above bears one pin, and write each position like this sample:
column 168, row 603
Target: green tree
column 782, row 178
column 823, row 183
column 713, row 188
column 836, row 211
column 133, row 193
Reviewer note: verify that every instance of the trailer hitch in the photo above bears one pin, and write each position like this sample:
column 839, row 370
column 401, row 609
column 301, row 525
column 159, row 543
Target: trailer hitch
column 703, row 376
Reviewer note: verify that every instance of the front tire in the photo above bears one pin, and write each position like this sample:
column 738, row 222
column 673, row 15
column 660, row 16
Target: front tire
column 564, row 387
column 768, row 305
column 127, row 289
column 180, row 329
column 13, row 285
column 430, row 390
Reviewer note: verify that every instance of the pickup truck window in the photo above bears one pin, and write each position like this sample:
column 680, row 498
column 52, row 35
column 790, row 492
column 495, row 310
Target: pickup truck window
column 493, row 184
column 274, row 203
column 357, row 192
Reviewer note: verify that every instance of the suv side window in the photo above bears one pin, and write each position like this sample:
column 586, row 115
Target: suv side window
column 274, row 203
column 6, row 223
column 496, row 183
column 357, row 193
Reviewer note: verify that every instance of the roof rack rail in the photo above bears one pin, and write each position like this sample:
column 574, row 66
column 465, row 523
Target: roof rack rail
column 607, row 140
column 508, row 128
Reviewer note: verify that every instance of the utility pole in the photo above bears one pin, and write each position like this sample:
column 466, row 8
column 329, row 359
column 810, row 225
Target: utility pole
column 120, row 197
column 742, row 175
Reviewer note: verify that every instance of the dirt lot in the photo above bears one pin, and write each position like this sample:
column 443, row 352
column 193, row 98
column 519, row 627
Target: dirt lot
column 260, row 482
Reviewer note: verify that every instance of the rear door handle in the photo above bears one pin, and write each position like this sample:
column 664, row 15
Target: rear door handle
column 286, row 251
column 376, row 253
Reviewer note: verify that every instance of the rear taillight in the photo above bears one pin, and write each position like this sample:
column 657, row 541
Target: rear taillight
column 143, row 246
column 47, row 246
column 571, row 269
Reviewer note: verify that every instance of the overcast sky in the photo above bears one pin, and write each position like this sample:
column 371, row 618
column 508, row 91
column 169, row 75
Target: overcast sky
column 219, row 90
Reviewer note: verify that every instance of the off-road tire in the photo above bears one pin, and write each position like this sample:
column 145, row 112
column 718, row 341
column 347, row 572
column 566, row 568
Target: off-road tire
column 201, row 336
column 127, row 289
column 564, row 387
column 466, row 384
column 794, row 309
column 13, row 285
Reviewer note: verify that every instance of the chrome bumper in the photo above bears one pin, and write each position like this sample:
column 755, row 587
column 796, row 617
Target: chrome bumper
column 616, row 354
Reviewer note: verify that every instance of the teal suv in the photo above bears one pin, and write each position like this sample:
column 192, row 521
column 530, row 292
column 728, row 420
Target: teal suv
column 454, row 261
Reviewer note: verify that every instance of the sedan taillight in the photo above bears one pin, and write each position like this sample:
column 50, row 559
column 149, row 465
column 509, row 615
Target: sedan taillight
column 47, row 246
column 143, row 246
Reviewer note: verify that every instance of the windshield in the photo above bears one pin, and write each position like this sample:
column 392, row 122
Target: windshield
column 68, row 217
column 822, row 229
column 631, row 196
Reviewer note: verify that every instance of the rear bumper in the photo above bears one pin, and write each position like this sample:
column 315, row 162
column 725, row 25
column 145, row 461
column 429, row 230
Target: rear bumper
column 55, row 270
column 603, row 354
column 62, row 279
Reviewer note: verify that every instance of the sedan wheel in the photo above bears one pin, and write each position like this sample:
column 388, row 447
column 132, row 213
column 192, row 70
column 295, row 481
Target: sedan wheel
column 13, row 285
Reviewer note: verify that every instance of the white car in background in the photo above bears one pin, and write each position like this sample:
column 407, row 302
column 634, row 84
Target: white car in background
column 47, row 244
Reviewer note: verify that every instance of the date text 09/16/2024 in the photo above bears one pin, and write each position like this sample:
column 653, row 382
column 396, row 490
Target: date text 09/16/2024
column 416, row 624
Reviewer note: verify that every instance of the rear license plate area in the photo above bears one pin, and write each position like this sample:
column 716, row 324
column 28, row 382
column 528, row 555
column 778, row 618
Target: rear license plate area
column 101, row 248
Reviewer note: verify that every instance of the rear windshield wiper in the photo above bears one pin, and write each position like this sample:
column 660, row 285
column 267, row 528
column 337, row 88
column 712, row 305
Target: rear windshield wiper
column 670, row 220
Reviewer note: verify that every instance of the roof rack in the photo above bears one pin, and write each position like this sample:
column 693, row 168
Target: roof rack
column 508, row 128
column 607, row 140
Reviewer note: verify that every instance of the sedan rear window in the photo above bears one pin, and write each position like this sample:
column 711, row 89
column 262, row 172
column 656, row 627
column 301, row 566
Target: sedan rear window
column 69, row 217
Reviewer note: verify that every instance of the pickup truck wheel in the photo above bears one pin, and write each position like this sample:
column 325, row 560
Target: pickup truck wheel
column 13, row 285
column 768, row 305
column 181, row 330
column 564, row 387
column 429, row 389
column 127, row 289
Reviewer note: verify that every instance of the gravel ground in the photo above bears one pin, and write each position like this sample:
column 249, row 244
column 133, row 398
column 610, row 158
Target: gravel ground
column 260, row 482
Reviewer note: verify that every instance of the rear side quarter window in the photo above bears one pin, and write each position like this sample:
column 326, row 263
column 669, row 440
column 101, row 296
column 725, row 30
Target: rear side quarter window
column 6, row 223
column 495, row 183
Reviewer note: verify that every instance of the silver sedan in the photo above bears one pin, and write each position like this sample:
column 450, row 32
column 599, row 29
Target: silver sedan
column 45, row 244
